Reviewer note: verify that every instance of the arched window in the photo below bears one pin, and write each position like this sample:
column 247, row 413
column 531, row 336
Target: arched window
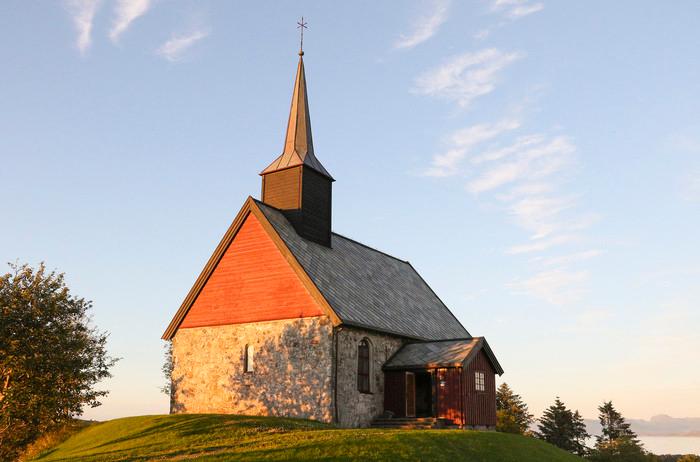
column 363, row 366
column 249, row 355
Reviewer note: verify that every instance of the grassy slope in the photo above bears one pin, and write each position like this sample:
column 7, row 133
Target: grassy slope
column 226, row 437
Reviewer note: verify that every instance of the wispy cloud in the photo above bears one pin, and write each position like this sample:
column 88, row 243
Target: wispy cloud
column 462, row 142
column 558, row 286
column 571, row 258
column 515, row 9
column 83, row 14
column 465, row 77
column 426, row 26
column 173, row 49
column 543, row 244
column 126, row 11
column 534, row 158
column 508, row 11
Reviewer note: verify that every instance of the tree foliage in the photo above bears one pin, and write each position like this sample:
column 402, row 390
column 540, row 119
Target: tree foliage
column 617, row 441
column 50, row 356
column 512, row 414
column 167, row 368
column 563, row 428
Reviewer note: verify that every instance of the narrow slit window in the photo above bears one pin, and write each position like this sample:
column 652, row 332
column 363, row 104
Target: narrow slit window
column 363, row 366
column 249, row 356
column 479, row 381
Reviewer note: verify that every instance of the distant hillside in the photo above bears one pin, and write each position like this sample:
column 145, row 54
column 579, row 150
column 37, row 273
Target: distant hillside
column 226, row 437
column 659, row 425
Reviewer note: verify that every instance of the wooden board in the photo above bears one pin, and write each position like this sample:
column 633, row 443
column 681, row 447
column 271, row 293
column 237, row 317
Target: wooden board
column 395, row 392
column 252, row 282
column 480, row 405
column 410, row 394
column 450, row 394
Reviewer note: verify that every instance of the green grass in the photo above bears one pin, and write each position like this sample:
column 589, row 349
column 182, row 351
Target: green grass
column 229, row 437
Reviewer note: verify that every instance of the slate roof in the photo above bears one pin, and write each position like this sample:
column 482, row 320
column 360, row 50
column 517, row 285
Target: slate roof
column 368, row 288
column 450, row 353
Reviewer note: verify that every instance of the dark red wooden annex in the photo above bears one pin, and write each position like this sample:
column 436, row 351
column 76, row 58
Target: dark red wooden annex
column 449, row 379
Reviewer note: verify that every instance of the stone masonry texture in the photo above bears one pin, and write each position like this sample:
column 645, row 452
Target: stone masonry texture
column 292, row 374
column 357, row 409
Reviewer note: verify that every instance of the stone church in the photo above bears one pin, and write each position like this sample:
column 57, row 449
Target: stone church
column 289, row 318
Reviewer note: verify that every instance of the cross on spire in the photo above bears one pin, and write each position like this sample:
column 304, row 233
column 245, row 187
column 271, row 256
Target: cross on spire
column 301, row 25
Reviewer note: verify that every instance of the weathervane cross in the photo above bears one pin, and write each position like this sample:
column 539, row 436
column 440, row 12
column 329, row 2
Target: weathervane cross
column 301, row 25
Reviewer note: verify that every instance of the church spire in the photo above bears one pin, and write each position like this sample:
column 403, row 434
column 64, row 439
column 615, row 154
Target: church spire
column 296, row 183
column 298, row 143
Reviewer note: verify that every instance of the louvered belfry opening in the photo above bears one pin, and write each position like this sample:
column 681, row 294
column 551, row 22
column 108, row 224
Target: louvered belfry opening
column 296, row 182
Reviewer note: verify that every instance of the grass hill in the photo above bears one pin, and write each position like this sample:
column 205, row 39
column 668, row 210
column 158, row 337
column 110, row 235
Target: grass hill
column 230, row 437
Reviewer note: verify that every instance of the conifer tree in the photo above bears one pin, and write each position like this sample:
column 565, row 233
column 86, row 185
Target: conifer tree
column 512, row 414
column 617, row 441
column 614, row 425
column 563, row 428
column 580, row 434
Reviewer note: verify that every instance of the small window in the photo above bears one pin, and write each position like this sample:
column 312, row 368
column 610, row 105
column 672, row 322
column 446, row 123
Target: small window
column 363, row 363
column 479, row 381
column 249, row 356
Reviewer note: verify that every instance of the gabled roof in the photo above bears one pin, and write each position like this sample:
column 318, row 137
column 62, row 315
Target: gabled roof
column 447, row 353
column 354, row 284
column 368, row 288
column 298, row 142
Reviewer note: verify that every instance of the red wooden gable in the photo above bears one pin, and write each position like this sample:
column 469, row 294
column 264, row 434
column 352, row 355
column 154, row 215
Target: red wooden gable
column 252, row 282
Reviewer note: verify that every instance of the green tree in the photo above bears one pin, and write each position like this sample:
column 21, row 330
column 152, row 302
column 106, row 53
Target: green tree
column 580, row 434
column 50, row 356
column 614, row 425
column 512, row 414
column 617, row 441
column 563, row 428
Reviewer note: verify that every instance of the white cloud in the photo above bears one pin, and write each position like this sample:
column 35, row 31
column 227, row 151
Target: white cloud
column 465, row 77
column 558, row 286
column 538, row 214
column 519, row 145
column 571, row 258
column 515, row 9
column 173, row 49
column 543, row 244
column 533, row 163
column 83, row 13
column 462, row 142
column 126, row 11
column 426, row 26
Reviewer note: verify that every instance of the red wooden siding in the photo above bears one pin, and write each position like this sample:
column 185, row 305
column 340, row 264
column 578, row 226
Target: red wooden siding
column 395, row 392
column 252, row 282
column 480, row 405
column 449, row 394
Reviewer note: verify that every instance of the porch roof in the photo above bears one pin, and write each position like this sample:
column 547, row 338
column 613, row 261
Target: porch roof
column 445, row 353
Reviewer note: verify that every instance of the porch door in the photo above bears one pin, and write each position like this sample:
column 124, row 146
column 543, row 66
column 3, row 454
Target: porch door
column 410, row 394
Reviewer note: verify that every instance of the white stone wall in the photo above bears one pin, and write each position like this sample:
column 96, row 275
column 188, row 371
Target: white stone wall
column 292, row 374
column 357, row 409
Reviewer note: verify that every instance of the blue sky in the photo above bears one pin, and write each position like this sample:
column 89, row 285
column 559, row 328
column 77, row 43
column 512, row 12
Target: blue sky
column 537, row 162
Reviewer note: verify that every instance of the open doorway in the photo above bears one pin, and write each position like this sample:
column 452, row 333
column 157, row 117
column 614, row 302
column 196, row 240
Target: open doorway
column 424, row 394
